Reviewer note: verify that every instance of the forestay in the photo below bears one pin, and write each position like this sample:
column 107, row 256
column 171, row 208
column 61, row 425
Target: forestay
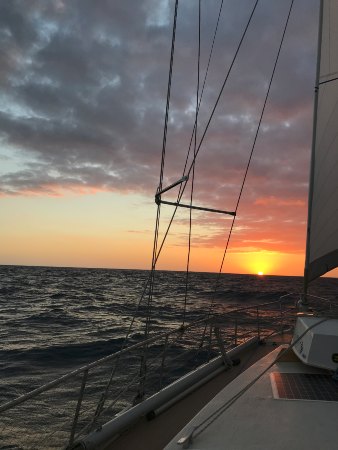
column 322, row 249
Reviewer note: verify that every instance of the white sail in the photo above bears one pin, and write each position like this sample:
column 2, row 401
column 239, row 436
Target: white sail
column 322, row 248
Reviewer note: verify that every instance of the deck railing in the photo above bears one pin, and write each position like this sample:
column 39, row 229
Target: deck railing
column 60, row 412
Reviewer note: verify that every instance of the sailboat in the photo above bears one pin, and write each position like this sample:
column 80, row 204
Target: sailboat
column 283, row 394
column 289, row 399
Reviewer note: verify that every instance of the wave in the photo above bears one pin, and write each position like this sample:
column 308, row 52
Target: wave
column 54, row 354
column 54, row 319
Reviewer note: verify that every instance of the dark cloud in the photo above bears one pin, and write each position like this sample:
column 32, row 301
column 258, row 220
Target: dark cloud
column 84, row 86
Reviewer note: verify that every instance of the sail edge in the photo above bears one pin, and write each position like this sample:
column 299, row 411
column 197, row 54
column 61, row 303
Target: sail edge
column 322, row 265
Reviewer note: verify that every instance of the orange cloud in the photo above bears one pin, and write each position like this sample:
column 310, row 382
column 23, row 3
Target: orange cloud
column 271, row 200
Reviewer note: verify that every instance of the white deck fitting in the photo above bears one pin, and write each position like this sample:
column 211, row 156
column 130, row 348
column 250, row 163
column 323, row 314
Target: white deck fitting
column 257, row 421
column 318, row 346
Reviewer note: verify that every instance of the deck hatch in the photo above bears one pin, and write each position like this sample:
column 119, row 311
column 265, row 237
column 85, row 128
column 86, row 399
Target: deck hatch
column 304, row 386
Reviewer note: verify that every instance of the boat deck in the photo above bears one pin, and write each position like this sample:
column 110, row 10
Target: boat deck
column 155, row 434
column 250, row 414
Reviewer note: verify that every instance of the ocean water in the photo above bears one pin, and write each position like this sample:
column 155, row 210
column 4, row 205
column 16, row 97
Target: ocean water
column 58, row 318
column 54, row 320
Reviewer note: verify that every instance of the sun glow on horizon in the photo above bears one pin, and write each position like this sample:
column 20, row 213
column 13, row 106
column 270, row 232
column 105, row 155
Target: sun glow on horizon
column 261, row 262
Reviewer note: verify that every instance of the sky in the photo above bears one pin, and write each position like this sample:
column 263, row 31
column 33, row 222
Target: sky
column 83, row 89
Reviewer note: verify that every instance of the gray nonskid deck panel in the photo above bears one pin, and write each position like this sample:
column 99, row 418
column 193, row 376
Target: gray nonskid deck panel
column 257, row 421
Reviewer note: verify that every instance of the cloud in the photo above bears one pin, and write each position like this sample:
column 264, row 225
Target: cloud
column 84, row 84
column 278, row 202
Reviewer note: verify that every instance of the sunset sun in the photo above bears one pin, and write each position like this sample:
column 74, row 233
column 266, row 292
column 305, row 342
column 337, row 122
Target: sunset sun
column 260, row 273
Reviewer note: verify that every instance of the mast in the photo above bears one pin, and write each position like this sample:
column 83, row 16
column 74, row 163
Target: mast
column 312, row 164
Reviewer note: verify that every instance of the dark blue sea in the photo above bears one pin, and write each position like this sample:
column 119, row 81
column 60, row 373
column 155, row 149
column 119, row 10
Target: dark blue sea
column 54, row 320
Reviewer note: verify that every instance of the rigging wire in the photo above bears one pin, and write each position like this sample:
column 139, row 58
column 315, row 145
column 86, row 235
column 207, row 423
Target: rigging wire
column 203, row 86
column 145, row 287
column 158, row 248
column 193, row 171
column 156, row 253
column 207, row 126
column 258, row 127
column 143, row 367
column 222, row 88
column 196, row 151
column 250, row 158
column 154, row 258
